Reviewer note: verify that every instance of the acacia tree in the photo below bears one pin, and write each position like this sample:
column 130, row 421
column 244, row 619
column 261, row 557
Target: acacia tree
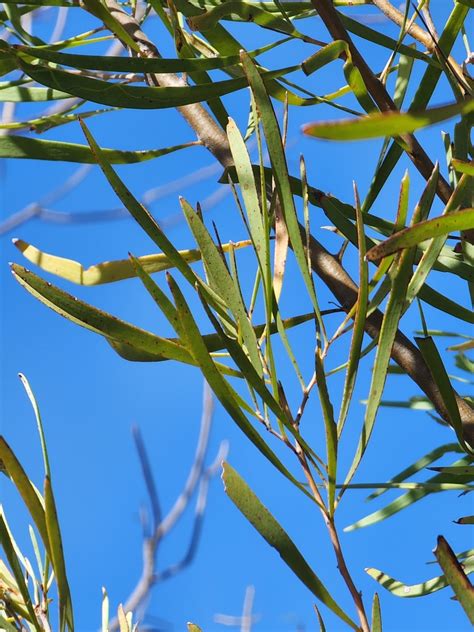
column 396, row 256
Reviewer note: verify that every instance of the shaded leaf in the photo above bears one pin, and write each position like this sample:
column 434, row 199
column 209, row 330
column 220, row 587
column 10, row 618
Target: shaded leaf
column 456, row 577
column 263, row 521
column 34, row 148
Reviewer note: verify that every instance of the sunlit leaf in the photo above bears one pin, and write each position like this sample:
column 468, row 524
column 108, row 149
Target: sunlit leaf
column 399, row 589
column 436, row 227
column 382, row 124
column 108, row 271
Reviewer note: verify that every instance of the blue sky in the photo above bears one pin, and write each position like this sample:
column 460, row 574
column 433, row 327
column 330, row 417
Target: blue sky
column 90, row 398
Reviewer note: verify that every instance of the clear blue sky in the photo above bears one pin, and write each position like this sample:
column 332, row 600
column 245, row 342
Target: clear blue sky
column 89, row 397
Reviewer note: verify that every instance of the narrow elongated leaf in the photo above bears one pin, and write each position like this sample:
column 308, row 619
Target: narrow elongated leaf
column 249, row 193
column 25, row 488
column 456, row 577
column 222, row 282
column 463, row 167
column 330, row 431
column 37, row 149
column 224, row 392
column 57, row 557
column 108, row 271
column 421, row 464
column 376, row 615
column 409, row 498
column 399, row 589
column 438, row 372
column 39, row 423
column 263, row 521
column 436, row 227
column 388, row 331
column 359, row 323
column 17, row 571
column 130, row 338
column 280, row 171
column 135, row 97
column 21, row 94
column 382, row 124
column 136, row 64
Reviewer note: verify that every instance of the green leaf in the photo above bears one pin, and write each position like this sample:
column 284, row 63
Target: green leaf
column 249, row 193
column 263, row 521
column 436, row 227
column 280, row 172
column 27, row 491
column 222, row 282
column 135, row 64
column 456, row 577
column 330, row 430
column 134, row 97
column 463, row 167
column 383, row 124
column 130, row 339
column 39, row 423
column 376, row 615
column 14, row 563
column 360, row 309
column 399, row 589
column 33, row 148
column 465, row 520
column 57, row 558
column 224, row 392
column 409, row 498
column 388, row 331
column 438, row 372
column 419, row 465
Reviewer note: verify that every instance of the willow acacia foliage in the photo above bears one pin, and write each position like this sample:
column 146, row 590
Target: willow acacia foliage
column 241, row 340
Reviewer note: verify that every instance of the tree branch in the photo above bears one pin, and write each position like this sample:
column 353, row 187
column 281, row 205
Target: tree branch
column 325, row 265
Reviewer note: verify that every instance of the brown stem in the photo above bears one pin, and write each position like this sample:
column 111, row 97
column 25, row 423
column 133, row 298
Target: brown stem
column 325, row 265
column 424, row 37
column 333, row 536
column 379, row 94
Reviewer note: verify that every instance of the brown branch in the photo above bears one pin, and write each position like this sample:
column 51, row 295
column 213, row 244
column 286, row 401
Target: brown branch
column 424, row 37
column 379, row 94
column 325, row 265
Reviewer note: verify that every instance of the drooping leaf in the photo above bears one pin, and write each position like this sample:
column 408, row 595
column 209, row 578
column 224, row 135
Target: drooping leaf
column 263, row 521
column 399, row 589
column 108, row 271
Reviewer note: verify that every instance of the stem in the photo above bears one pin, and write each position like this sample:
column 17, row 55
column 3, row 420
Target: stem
column 325, row 265
column 333, row 536
column 378, row 92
